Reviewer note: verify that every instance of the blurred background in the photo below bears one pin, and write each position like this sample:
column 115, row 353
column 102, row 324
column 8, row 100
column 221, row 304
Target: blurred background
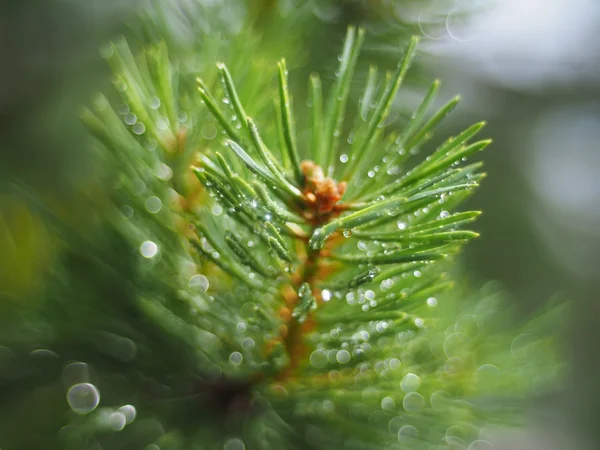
column 528, row 67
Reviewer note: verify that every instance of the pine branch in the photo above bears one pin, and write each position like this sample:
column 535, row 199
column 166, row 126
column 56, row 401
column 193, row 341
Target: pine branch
column 406, row 225
column 271, row 301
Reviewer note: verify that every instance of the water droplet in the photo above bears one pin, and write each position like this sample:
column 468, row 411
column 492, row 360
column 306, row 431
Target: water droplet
column 117, row 421
column 148, row 249
column 328, row 406
column 200, row 281
column 234, row 444
column 327, row 12
column 454, row 344
column 370, row 173
column 216, row 210
column 153, row 204
column 344, row 158
column 123, row 109
column 410, row 383
column 326, row 295
column 209, row 131
column 164, row 172
column 39, row 354
column 419, row 322
column 225, row 100
column 401, row 225
column 456, row 435
column 248, row 343
column 522, row 346
column 381, row 326
column 395, row 363
column 154, row 103
column 480, row 444
column 444, row 214
column 370, row 295
column 417, row 273
column 120, row 85
column 359, row 411
column 236, row 358
column 138, row 187
column 487, row 373
column 75, row 373
column 388, row 403
column 413, row 402
column 440, row 401
column 130, row 118
column 351, row 298
column 318, row 359
column 83, row 398
column 129, row 412
column 432, row 302
column 106, row 51
column 343, row 357
column 467, row 324
column 407, row 433
column 241, row 327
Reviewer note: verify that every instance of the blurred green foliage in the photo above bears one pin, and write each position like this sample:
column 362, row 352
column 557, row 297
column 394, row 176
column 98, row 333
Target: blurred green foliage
column 81, row 304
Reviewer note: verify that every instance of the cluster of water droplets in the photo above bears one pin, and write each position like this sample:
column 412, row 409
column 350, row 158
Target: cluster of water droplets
column 84, row 398
column 343, row 353
column 390, row 393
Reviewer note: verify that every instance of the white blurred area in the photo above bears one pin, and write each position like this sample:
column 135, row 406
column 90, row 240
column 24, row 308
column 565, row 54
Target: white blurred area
column 532, row 67
column 564, row 172
column 535, row 66
column 522, row 44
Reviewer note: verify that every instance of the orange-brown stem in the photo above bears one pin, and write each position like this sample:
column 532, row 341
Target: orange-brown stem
column 295, row 329
column 321, row 197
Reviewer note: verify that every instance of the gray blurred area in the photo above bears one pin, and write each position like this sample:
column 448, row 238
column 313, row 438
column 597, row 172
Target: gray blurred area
column 50, row 65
